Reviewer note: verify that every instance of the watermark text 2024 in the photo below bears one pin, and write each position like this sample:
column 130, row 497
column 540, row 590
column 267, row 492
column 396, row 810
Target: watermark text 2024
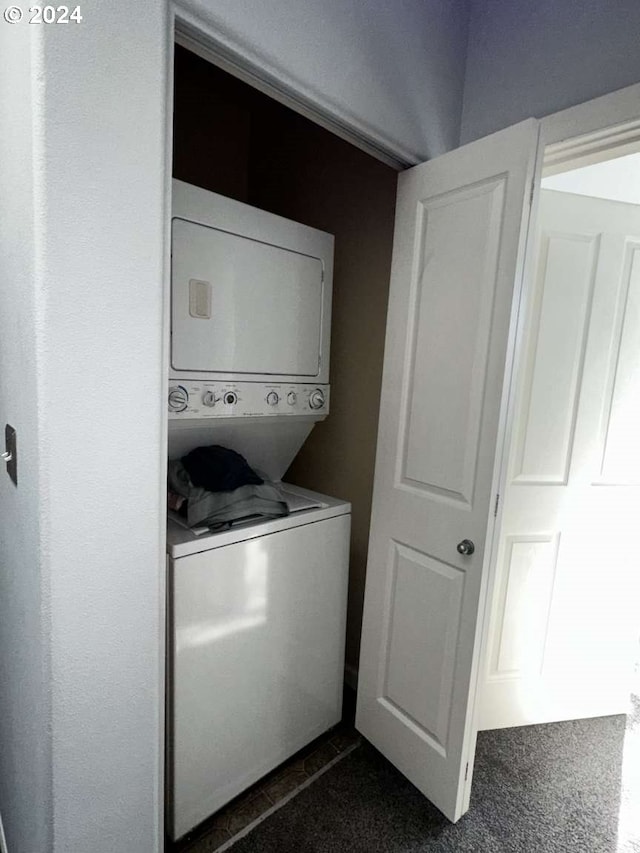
column 43, row 15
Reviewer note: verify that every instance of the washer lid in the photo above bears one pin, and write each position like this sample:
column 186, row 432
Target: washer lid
column 181, row 542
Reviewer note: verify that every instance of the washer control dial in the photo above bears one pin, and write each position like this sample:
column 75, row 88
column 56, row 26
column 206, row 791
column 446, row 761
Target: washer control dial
column 316, row 399
column 178, row 398
column 208, row 400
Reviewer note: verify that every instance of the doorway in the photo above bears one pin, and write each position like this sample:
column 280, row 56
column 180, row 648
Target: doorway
column 560, row 635
column 562, row 628
column 230, row 139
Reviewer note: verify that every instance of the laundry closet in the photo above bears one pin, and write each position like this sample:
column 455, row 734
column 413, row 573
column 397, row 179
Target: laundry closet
column 298, row 201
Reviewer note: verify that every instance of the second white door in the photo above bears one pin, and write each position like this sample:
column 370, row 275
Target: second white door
column 562, row 624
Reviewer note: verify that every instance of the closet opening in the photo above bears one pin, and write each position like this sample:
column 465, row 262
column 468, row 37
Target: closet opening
column 233, row 141
column 564, row 631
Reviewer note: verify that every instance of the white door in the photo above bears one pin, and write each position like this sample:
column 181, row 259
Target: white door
column 564, row 610
column 458, row 250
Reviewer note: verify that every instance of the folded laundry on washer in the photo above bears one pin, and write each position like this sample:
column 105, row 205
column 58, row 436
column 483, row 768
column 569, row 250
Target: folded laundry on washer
column 214, row 508
column 219, row 469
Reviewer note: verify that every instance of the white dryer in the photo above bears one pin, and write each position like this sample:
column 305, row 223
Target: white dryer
column 250, row 311
column 250, row 293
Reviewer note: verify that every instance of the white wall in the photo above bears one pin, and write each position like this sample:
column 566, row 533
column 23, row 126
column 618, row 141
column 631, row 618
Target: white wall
column 82, row 338
column 102, row 162
column 534, row 58
column 395, row 69
column 617, row 180
column 25, row 706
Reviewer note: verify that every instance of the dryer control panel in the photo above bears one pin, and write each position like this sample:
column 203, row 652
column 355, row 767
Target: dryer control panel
column 190, row 400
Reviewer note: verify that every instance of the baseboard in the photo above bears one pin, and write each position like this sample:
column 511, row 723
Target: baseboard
column 351, row 676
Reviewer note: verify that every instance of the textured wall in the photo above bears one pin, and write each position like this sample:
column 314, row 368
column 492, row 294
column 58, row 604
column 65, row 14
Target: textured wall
column 100, row 166
column 25, row 708
column 393, row 69
column 534, row 58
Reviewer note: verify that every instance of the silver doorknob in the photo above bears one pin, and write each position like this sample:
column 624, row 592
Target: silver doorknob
column 465, row 547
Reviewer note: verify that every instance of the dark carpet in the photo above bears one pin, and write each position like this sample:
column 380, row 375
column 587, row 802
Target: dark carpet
column 543, row 789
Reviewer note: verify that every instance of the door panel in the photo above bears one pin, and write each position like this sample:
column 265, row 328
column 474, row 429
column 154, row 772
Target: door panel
column 525, row 598
column 564, row 313
column 458, row 248
column 424, row 612
column 621, row 421
column 562, row 614
column 442, row 443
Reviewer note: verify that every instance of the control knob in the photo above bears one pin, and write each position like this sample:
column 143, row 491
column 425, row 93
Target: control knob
column 230, row 398
column 292, row 398
column 272, row 398
column 209, row 398
column 178, row 398
column 316, row 399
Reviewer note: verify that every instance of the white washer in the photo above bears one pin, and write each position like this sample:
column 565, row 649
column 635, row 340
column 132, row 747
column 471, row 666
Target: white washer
column 256, row 650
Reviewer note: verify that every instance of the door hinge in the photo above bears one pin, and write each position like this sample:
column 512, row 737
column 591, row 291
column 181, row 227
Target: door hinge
column 466, row 772
column 495, row 509
column 532, row 192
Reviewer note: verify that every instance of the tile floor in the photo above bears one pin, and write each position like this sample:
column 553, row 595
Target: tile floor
column 268, row 792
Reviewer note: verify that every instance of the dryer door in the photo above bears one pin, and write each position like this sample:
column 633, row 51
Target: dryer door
column 241, row 306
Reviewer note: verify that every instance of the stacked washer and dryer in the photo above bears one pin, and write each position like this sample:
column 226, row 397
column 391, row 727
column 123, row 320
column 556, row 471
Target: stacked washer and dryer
column 257, row 610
